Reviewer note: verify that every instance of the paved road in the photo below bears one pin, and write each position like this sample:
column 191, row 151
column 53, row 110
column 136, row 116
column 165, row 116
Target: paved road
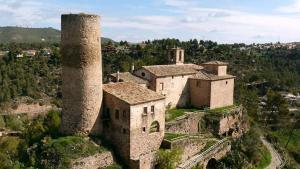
column 276, row 158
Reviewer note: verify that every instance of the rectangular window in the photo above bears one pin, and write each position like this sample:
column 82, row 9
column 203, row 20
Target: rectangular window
column 161, row 86
column 180, row 56
column 117, row 114
column 152, row 109
column 145, row 110
column 124, row 113
column 198, row 83
column 144, row 129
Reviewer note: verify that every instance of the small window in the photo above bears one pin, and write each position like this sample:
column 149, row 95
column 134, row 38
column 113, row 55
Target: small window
column 226, row 82
column 145, row 110
column 180, row 56
column 106, row 114
column 161, row 86
column 143, row 74
column 124, row 113
column 117, row 114
column 198, row 83
column 144, row 129
column 152, row 109
column 172, row 77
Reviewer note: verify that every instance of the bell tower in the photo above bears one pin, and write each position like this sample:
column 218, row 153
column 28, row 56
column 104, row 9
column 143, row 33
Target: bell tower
column 176, row 56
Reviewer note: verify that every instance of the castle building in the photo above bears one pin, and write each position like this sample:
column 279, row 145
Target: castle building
column 186, row 85
column 129, row 115
column 134, row 121
column 130, row 112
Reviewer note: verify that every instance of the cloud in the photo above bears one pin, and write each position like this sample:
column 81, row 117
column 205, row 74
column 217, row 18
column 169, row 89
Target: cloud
column 291, row 8
column 190, row 20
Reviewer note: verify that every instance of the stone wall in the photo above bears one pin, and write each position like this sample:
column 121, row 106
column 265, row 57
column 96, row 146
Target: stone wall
column 189, row 146
column 176, row 90
column 200, row 92
column 233, row 124
column 116, row 130
column 100, row 160
column 142, row 139
column 189, row 124
column 221, row 93
column 81, row 72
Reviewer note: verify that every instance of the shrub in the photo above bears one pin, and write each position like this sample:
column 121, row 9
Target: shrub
column 168, row 159
column 58, row 153
column 52, row 122
column 14, row 122
column 2, row 122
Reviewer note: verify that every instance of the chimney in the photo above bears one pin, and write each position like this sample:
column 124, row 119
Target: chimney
column 81, row 72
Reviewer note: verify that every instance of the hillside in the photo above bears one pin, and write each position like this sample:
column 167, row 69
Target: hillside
column 31, row 35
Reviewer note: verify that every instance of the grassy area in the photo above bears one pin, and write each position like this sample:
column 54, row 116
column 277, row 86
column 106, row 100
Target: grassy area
column 223, row 109
column 174, row 136
column 174, row 113
column 265, row 159
column 214, row 115
column 60, row 152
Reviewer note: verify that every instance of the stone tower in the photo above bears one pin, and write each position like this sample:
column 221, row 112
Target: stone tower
column 81, row 72
column 176, row 56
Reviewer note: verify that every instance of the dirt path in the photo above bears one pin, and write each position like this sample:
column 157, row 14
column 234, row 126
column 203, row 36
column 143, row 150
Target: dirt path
column 276, row 158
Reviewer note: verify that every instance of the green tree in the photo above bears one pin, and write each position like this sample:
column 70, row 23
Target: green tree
column 168, row 159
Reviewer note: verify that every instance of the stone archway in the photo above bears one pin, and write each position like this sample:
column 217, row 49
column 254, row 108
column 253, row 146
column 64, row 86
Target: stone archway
column 154, row 127
column 212, row 164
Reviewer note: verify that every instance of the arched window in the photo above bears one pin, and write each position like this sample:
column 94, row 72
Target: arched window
column 154, row 127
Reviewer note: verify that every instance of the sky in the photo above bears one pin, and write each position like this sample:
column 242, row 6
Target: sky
column 224, row 21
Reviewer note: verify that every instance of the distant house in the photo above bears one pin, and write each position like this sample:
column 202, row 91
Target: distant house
column 30, row 53
column 20, row 55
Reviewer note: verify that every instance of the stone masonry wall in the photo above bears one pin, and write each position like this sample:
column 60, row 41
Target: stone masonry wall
column 116, row 130
column 189, row 146
column 81, row 72
column 189, row 124
column 176, row 90
column 233, row 122
column 142, row 140
column 221, row 93
column 200, row 92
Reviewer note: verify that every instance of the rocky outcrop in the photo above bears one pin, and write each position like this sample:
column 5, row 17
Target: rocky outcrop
column 100, row 160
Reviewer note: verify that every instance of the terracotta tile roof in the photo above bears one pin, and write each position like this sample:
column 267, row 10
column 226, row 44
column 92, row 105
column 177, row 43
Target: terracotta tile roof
column 131, row 93
column 215, row 63
column 204, row 75
column 173, row 70
column 129, row 77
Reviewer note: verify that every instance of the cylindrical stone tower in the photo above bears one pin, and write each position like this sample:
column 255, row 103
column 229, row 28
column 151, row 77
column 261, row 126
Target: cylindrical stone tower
column 81, row 72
